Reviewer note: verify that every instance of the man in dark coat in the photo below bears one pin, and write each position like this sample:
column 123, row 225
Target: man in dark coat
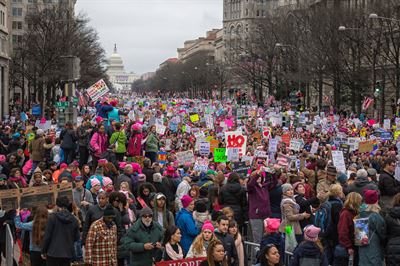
column 361, row 183
column 388, row 185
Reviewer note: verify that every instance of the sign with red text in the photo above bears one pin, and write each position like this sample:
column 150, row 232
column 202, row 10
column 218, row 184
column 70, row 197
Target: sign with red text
column 182, row 262
column 235, row 139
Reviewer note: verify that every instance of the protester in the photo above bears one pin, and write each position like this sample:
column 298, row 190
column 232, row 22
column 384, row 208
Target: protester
column 152, row 144
column 172, row 237
column 269, row 256
column 118, row 142
column 234, row 232
column 160, row 212
column 198, row 249
column 222, row 233
column 143, row 239
column 361, row 183
column 388, row 185
column 215, row 255
column 185, row 222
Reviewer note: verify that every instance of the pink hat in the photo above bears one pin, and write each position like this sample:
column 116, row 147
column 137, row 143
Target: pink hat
column 137, row 127
column 186, row 200
column 114, row 103
column 207, row 226
column 102, row 161
column 170, row 169
column 99, row 119
column 107, row 181
column 311, row 233
column 2, row 158
column 63, row 165
column 271, row 225
column 94, row 182
column 122, row 165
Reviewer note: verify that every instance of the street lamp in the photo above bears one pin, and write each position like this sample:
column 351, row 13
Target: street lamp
column 344, row 28
column 375, row 16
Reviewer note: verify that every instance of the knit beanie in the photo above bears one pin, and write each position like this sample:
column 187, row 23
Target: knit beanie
column 371, row 196
column 207, row 226
column 109, row 211
column 107, row 181
column 311, row 233
column 94, row 182
column 271, row 225
column 186, row 200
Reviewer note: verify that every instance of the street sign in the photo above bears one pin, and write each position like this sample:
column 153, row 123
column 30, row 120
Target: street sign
column 75, row 101
column 62, row 105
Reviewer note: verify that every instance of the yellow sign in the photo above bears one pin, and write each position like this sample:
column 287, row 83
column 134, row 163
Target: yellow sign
column 396, row 134
column 194, row 118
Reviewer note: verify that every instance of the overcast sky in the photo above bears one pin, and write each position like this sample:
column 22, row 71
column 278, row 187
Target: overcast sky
column 148, row 32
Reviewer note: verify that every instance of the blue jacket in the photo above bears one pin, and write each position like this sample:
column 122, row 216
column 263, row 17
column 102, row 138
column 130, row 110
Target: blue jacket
column 103, row 109
column 185, row 222
column 28, row 227
column 113, row 114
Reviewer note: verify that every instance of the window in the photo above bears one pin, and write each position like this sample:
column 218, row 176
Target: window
column 17, row 25
column 17, row 1
column 247, row 12
column 2, row 18
column 16, row 39
column 17, row 12
column 258, row 13
column 47, row 1
column 32, row 1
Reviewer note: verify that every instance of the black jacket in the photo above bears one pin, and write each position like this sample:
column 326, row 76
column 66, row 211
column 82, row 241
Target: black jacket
column 83, row 135
column 234, row 195
column 62, row 231
column 229, row 245
column 148, row 172
column 393, row 232
column 332, row 234
column 388, row 185
column 360, row 185
column 305, row 206
column 308, row 249
column 68, row 138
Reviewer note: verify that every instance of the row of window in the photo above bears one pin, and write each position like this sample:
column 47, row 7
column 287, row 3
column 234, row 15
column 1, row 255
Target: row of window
column 17, row 12
column 2, row 18
column 35, row 1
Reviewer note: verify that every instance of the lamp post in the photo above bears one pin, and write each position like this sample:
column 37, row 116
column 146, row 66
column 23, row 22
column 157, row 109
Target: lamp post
column 375, row 16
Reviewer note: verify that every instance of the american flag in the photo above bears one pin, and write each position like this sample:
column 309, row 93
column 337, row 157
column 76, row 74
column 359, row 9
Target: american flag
column 282, row 160
column 367, row 102
column 81, row 98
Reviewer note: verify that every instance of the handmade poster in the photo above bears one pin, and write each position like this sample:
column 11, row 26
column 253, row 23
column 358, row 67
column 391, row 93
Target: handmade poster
column 194, row 118
column 273, row 145
column 160, row 129
column 295, row 145
column 209, row 122
column 314, row 147
column 201, row 164
column 233, row 154
column 97, row 90
column 235, row 139
column 204, row 148
column 386, row 124
column 366, row 146
column 260, row 154
column 185, row 157
column 220, row 155
column 162, row 157
column 241, row 168
column 213, row 144
column 338, row 161
column 286, row 139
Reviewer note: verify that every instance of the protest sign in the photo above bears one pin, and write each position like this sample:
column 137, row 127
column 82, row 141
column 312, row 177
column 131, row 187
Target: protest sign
column 353, row 143
column 396, row 134
column 366, row 146
column 185, row 157
column 338, row 161
column 241, row 168
column 286, row 139
column 213, row 144
column 194, row 118
column 314, row 147
column 266, row 132
column 162, row 157
column 386, row 124
column 220, row 155
column 397, row 171
column 248, row 159
column 45, row 125
column 97, row 90
column 160, row 129
column 283, row 160
column 182, row 262
column 260, row 154
column 273, row 145
column 345, row 148
column 235, row 139
column 233, row 154
column 9, row 199
column 204, row 148
column 34, row 196
column 209, row 122
column 295, row 145
column 201, row 164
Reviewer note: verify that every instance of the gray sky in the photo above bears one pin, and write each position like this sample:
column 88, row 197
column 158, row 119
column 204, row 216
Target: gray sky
column 148, row 32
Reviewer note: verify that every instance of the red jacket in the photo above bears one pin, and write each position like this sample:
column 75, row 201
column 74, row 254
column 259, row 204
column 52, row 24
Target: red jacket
column 135, row 145
column 346, row 228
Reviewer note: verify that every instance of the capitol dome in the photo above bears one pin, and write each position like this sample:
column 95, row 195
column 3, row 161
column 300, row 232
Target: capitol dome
column 115, row 63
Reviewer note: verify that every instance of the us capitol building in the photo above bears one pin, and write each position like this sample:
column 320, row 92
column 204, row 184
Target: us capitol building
column 121, row 80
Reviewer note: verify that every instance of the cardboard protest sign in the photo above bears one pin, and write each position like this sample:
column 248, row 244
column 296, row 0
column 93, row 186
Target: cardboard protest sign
column 266, row 132
column 182, row 262
column 9, row 199
column 201, row 164
column 353, row 143
column 338, row 161
column 273, row 145
column 365, row 146
column 97, row 90
column 34, row 196
column 213, row 144
column 235, row 139
column 295, row 145
column 286, row 139
column 220, row 155
column 185, row 157
column 162, row 157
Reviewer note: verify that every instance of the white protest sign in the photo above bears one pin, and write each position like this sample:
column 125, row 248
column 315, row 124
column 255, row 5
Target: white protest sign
column 97, row 90
column 246, row 158
column 353, row 143
column 235, row 139
column 273, row 145
column 338, row 161
column 204, row 148
column 209, row 122
column 386, row 124
column 160, row 129
column 185, row 157
column 314, row 147
column 233, row 154
column 188, row 129
column 295, row 145
column 260, row 154
column 45, row 126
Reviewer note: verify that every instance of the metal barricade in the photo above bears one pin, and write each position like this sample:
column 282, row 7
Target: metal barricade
column 9, row 246
column 251, row 250
column 288, row 258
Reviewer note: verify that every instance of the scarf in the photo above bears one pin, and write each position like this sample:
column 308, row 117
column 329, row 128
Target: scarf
column 171, row 252
column 18, row 179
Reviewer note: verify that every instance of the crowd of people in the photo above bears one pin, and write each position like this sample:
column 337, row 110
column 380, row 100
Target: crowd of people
column 137, row 201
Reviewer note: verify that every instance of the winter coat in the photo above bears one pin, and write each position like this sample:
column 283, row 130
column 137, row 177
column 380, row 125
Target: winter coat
column 62, row 231
column 388, row 187
column 332, row 233
column 275, row 198
column 233, row 195
column 290, row 215
column 113, row 114
column 305, row 206
column 258, row 196
column 360, row 185
column 372, row 254
column 185, row 222
column 182, row 189
column 123, row 178
column 152, row 143
column 392, row 250
column 68, row 139
column 103, row 110
column 135, row 239
column 37, row 149
column 229, row 245
column 345, row 229
column 99, row 143
column 119, row 139
column 323, row 184
column 135, row 145
column 168, row 217
column 83, row 135
column 308, row 249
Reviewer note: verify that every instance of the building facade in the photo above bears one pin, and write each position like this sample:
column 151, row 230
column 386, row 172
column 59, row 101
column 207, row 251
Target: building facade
column 121, row 80
column 4, row 59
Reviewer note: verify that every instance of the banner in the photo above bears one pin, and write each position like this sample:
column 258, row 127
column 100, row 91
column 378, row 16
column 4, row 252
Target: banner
column 366, row 146
column 220, row 155
column 97, row 90
column 235, row 139
column 182, row 262
column 185, row 157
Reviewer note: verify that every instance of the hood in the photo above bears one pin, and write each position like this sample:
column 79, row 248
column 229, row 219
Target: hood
column 65, row 217
column 361, row 181
column 395, row 212
column 233, row 187
column 309, row 249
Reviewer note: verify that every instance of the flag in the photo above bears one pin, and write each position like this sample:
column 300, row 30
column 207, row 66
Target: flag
column 81, row 98
column 367, row 102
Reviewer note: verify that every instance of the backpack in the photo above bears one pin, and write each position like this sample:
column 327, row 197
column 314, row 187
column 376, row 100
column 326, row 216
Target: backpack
column 310, row 261
column 323, row 217
column 362, row 235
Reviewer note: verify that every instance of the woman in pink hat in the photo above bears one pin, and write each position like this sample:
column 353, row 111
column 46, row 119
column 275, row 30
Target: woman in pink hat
column 198, row 249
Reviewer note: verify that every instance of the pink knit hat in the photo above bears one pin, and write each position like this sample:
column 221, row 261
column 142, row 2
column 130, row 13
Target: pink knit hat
column 207, row 226
column 107, row 181
column 271, row 225
column 186, row 200
column 311, row 233
column 99, row 119
column 137, row 127
column 2, row 158
column 94, row 182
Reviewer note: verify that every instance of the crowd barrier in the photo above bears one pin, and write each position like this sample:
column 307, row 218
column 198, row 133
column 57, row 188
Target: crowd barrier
column 9, row 246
